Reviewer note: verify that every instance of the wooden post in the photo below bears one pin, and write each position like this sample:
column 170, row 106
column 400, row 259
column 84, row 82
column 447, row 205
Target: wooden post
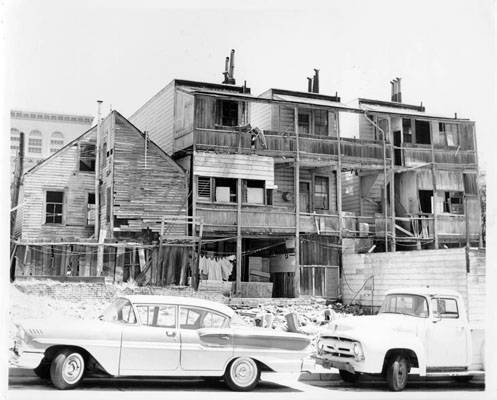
column 17, row 183
column 296, row 279
column 339, row 182
column 434, row 182
column 238, row 284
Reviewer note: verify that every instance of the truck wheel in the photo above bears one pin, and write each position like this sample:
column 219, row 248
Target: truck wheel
column 242, row 374
column 347, row 376
column 42, row 371
column 67, row 369
column 397, row 371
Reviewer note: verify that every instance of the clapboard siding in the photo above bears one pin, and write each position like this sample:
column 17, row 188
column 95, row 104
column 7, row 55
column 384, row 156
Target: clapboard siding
column 58, row 173
column 260, row 115
column 437, row 268
column 351, row 193
column 284, row 179
column 286, row 119
column 142, row 191
column 371, row 203
column 156, row 117
column 234, row 166
column 366, row 129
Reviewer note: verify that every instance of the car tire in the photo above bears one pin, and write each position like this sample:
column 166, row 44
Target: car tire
column 242, row 374
column 397, row 373
column 67, row 369
column 347, row 376
column 42, row 371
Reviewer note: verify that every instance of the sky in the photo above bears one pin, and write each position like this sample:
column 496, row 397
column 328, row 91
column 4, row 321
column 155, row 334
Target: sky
column 64, row 55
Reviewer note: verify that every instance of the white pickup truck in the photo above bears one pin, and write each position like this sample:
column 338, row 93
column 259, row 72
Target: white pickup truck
column 423, row 331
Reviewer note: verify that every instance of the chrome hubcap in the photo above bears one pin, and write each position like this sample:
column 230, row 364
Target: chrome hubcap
column 72, row 369
column 243, row 372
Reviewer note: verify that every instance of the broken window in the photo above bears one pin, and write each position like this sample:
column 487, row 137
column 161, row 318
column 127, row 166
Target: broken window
column 226, row 112
column 204, row 188
column 448, row 134
column 453, row 203
column 87, row 157
column 423, row 132
column 407, row 130
column 91, row 209
column 253, row 192
column 304, row 120
column 54, row 207
column 426, row 201
column 225, row 190
column 321, row 193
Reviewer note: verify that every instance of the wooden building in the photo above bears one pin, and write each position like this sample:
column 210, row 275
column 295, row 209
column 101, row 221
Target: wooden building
column 109, row 187
column 276, row 182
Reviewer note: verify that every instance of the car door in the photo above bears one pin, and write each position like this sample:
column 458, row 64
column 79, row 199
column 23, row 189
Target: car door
column 151, row 346
column 447, row 335
column 206, row 339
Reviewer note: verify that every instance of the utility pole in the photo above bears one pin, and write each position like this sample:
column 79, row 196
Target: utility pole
column 18, row 172
column 100, row 249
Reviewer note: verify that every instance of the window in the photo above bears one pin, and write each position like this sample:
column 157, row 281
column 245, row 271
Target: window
column 108, row 203
column 226, row 112
column 253, row 192
column 225, row 190
column 15, row 138
column 407, row 130
column 425, row 201
column 163, row 316
column 87, row 157
column 35, row 142
column 91, row 209
column 54, row 207
column 423, row 132
column 321, row 193
column 120, row 311
column 196, row 318
column 445, row 308
column 453, row 203
column 56, row 141
column 321, row 122
column 448, row 134
column 407, row 304
column 304, row 122
column 166, row 317
column 204, row 188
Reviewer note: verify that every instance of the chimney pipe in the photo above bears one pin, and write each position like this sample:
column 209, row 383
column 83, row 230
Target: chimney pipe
column 309, row 85
column 232, row 67
column 399, row 92
column 315, row 81
column 393, row 96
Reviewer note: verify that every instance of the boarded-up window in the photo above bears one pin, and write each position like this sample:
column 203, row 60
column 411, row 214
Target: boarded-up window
column 253, row 192
column 91, row 209
column 204, row 188
column 54, row 207
column 470, row 184
column 321, row 193
column 87, row 157
column 225, row 190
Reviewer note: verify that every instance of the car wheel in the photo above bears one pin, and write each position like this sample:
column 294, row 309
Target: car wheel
column 242, row 374
column 42, row 371
column 347, row 376
column 397, row 371
column 67, row 369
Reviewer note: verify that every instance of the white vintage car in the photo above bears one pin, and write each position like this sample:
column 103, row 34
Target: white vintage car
column 158, row 336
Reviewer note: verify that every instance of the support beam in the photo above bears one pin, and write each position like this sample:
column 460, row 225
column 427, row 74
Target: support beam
column 296, row 279
column 434, row 182
column 339, row 181
column 238, row 285
column 393, row 244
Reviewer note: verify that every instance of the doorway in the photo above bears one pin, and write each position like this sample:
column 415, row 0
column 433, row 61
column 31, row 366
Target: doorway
column 426, row 201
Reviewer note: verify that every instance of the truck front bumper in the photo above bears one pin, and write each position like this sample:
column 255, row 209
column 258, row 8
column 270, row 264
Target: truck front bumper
column 327, row 361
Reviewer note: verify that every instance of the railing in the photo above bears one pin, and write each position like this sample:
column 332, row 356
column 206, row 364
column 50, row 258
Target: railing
column 286, row 143
column 422, row 154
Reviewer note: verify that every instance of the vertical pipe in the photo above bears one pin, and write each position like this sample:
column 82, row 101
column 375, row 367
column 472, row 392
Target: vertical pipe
column 339, row 180
column 238, row 236
column 434, row 183
column 232, row 67
column 392, row 184
column 97, row 171
column 385, row 184
column 296, row 280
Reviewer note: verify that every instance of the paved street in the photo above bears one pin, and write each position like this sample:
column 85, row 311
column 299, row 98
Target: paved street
column 24, row 385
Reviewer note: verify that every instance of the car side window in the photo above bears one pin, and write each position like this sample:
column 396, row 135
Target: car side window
column 127, row 314
column 196, row 318
column 213, row 320
column 163, row 316
column 166, row 317
column 146, row 314
column 445, row 308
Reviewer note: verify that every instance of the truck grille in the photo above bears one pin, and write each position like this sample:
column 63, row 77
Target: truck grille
column 336, row 346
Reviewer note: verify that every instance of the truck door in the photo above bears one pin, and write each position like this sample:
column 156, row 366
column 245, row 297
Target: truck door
column 447, row 335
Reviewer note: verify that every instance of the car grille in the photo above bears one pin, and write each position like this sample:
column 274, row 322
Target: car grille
column 336, row 346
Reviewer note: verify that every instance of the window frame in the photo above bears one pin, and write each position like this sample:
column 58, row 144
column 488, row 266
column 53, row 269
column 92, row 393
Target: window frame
column 64, row 203
column 204, row 198
column 233, row 197
column 447, row 204
column 310, row 121
column 436, row 314
column 225, row 324
column 80, row 148
column 158, row 305
column 35, row 134
column 315, row 193
column 88, row 208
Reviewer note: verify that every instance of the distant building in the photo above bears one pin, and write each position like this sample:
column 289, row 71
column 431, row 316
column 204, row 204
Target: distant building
column 45, row 133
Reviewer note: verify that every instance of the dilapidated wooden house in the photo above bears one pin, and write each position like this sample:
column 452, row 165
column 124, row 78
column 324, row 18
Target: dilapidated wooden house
column 110, row 185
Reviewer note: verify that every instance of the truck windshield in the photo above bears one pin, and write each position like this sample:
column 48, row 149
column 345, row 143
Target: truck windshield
column 407, row 304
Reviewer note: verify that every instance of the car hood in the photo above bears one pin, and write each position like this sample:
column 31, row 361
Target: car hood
column 363, row 326
column 66, row 328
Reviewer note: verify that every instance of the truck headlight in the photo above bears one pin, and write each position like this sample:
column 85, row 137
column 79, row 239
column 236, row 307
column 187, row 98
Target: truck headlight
column 357, row 349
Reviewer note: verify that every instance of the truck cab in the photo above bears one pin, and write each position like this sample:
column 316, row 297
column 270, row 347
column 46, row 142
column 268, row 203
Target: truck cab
column 422, row 331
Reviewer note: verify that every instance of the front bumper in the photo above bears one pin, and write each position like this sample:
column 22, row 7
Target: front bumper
column 26, row 357
column 327, row 361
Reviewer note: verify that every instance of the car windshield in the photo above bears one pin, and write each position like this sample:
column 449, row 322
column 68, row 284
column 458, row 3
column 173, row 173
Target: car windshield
column 119, row 311
column 407, row 304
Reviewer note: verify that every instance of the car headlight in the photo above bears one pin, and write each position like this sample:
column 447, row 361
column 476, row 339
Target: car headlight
column 357, row 349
